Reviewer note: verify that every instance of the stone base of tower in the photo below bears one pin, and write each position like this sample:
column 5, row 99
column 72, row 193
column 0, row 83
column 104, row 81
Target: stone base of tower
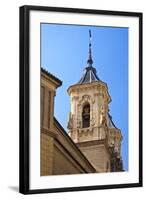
column 97, row 152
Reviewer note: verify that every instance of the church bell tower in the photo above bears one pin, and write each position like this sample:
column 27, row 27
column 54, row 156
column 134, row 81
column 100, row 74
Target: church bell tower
column 90, row 124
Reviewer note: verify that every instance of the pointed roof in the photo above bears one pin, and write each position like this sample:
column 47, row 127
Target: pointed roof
column 110, row 122
column 89, row 74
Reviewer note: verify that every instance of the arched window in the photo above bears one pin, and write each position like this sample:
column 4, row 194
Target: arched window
column 86, row 116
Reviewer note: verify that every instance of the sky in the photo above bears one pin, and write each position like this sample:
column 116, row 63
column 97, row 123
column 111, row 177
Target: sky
column 64, row 53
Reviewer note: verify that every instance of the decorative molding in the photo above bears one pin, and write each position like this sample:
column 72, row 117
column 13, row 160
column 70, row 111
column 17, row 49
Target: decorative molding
column 91, row 143
column 49, row 133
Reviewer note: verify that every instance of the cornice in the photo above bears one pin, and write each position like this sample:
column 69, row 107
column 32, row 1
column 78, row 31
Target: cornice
column 97, row 85
column 48, row 132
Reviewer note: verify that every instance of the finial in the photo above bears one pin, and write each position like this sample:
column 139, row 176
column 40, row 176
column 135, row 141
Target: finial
column 90, row 61
column 90, row 37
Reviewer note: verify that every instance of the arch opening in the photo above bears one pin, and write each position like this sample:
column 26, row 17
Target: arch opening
column 86, row 116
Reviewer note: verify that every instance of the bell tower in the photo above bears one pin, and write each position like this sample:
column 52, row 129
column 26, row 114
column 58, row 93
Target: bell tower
column 90, row 124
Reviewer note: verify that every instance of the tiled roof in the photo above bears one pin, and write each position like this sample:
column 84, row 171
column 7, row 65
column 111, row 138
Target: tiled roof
column 51, row 75
column 89, row 75
column 110, row 122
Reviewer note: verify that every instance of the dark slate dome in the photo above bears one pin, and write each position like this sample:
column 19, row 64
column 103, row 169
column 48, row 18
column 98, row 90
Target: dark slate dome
column 89, row 75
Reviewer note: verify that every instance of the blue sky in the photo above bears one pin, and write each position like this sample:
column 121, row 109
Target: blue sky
column 64, row 53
